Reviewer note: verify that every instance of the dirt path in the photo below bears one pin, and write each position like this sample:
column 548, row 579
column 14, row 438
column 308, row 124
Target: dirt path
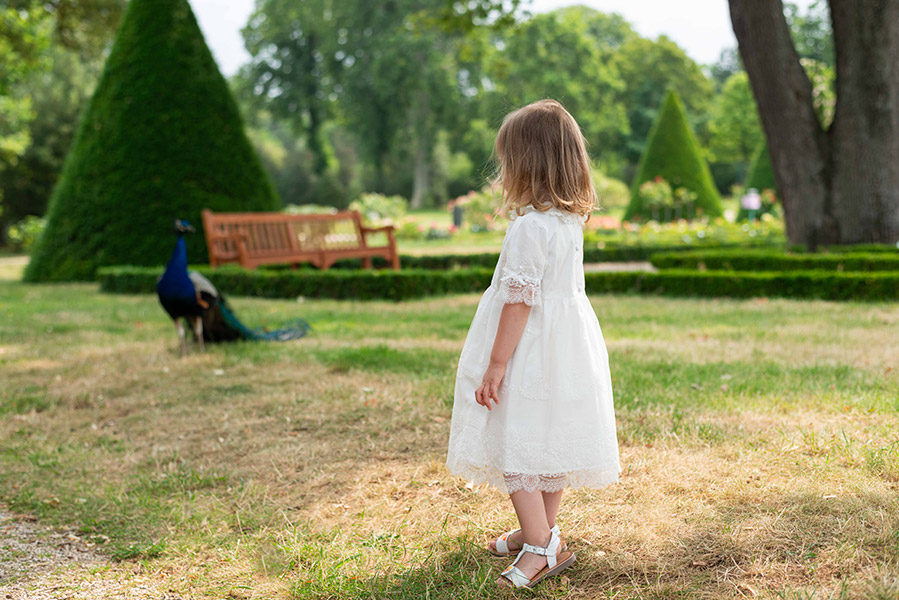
column 11, row 268
column 41, row 563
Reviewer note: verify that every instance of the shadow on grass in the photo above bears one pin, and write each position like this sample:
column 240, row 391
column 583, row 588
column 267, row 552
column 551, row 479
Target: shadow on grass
column 796, row 545
column 452, row 569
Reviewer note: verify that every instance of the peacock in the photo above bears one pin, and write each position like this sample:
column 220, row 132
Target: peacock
column 187, row 295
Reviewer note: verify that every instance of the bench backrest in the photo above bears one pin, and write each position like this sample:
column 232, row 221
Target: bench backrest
column 278, row 234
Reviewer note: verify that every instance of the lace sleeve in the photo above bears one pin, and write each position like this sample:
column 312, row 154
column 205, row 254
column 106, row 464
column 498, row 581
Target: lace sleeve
column 524, row 264
column 516, row 288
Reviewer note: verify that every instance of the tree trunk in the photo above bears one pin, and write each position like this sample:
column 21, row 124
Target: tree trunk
column 865, row 130
column 421, row 176
column 421, row 119
column 841, row 185
column 314, row 125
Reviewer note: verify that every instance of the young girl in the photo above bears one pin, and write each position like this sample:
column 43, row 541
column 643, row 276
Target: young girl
column 533, row 407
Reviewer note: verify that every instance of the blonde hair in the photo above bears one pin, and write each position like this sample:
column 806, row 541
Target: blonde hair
column 542, row 161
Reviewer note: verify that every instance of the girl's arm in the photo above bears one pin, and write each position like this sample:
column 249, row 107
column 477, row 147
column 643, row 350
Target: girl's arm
column 512, row 322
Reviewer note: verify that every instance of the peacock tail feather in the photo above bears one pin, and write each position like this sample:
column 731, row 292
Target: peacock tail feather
column 294, row 331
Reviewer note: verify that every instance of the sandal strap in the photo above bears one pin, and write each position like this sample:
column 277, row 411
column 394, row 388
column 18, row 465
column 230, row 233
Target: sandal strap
column 516, row 577
column 502, row 542
column 549, row 551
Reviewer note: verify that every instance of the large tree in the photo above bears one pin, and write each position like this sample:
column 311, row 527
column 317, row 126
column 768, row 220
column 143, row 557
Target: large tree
column 734, row 129
column 839, row 184
column 76, row 35
column 553, row 55
column 649, row 68
column 24, row 34
column 386, row 71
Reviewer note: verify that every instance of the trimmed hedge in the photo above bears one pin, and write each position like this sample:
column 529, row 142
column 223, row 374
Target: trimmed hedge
column 393, row 285
column 822, row 285
column 340, row 284
column 672, row 152
column 488, row 260
column 769, row 260
column 852, row 248
column 161, row 138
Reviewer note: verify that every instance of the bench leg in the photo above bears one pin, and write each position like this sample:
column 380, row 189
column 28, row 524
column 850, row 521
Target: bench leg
column 366, row 262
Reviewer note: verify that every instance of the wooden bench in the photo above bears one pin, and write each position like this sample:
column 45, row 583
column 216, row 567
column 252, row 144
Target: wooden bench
column 254, row 239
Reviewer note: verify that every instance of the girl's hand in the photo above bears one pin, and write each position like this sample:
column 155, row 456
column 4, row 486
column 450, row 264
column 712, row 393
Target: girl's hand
column 489, row 387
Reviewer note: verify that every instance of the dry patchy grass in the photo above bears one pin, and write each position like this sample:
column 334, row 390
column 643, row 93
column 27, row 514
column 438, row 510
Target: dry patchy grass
column 758, row 439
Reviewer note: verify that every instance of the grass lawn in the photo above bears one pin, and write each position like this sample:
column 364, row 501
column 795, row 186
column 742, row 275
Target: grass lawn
column 759, row 441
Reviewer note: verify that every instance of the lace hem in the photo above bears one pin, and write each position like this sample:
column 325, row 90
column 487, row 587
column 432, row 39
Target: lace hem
column 517, row 482
column 515, row 288
column 594, row 478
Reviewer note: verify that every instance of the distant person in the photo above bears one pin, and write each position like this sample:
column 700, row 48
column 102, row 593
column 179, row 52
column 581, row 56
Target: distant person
column 533, row 409
column 751, row 202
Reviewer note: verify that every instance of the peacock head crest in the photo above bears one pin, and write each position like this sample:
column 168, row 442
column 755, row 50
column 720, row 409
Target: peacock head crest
column 182, row 226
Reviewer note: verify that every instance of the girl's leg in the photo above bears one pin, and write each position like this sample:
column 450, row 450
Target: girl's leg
column 551, row 502
column 534, row 530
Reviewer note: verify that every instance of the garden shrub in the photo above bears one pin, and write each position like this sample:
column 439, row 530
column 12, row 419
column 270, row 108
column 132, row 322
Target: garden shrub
column 378, row 208
column 772, row 260
column 613, row 194
column 673, row 153
column 309, row 209
column 662, row 203
column 400, row 285
column 22, row 235
column 479, row 208
column 161, row 138
column 761, row 173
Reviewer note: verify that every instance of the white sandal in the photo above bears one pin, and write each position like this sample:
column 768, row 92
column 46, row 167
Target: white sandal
column 557, row 560
column 502, row 543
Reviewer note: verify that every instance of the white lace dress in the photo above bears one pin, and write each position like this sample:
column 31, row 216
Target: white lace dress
column 554, row 426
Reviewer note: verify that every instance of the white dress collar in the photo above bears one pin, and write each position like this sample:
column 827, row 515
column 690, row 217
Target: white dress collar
column 568, row 217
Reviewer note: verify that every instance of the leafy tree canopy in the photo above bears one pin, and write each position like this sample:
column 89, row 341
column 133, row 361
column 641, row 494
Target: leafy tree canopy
column 650, row 67
column 553, row 55
column 735, row 129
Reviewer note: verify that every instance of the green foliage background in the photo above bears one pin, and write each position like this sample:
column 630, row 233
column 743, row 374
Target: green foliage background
column 673, row 153
column 161, row 138
column 761, row 174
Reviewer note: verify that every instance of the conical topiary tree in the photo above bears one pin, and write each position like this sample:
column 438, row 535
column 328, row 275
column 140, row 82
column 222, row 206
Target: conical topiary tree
column 161, row 138
column 761, row 175
column 672, row 153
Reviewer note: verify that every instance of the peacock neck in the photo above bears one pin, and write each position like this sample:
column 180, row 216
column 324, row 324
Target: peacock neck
column 178, row 261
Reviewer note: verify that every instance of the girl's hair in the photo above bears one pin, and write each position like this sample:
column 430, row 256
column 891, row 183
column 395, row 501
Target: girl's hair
column 543, row 162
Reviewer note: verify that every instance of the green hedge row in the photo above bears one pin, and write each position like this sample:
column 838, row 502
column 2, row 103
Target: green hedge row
column 853, row 248
column 772, row 260
column 487, row 260
column 823, row 285
column 391, row 285
column 339, row 284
